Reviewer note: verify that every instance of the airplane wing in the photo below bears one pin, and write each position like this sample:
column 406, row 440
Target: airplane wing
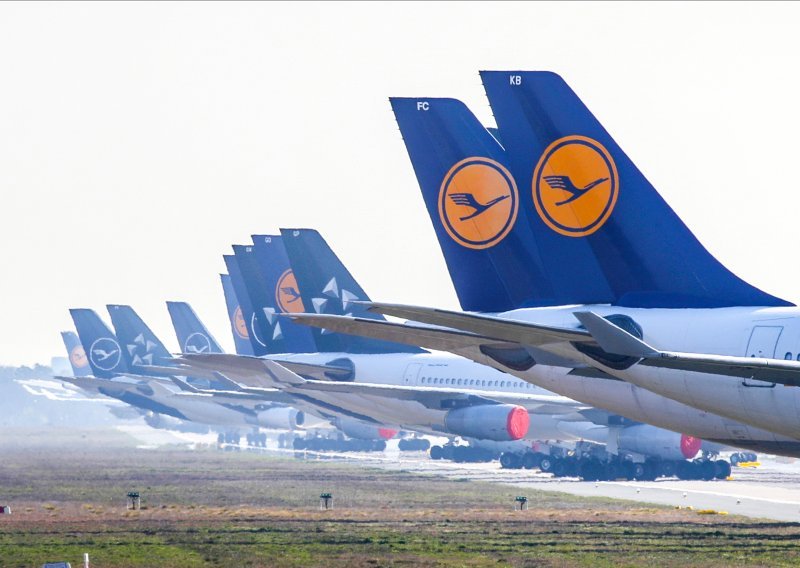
column 434, row 398
column 479, row 348
column 485, row 325
column 242, row 368
column 237, row 392
column 321, row 372
column 616, row 340
column 438, row 338
column 93, row 384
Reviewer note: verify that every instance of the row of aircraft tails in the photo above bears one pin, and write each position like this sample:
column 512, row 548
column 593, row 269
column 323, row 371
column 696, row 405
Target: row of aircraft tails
column 597, row 336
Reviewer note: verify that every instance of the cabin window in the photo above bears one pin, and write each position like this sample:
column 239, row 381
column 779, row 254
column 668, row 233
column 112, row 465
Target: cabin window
column 459, row 382
column 788, row 356
column 502, row 384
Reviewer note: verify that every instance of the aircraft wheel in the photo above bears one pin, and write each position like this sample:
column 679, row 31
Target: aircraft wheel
column 638, row 471
column 531, row 460
column 611, row 471
column 546, row 464
column 461, row 454
column 707, row 470
column 650, row 471
column 509, row 460
column 437, row 452
column 559, row 468
column 589, row 470
column 722, row 469
column 627, row 471
column 668, row 468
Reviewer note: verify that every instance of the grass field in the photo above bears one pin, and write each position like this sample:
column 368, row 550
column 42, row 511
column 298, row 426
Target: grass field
column 211, row 508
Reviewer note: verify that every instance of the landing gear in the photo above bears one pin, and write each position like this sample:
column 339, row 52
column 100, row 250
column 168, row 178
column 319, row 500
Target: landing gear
column 461, row 454
column 722, row 469
column 510, row 460
column 229, row 439
column 320, row 444
column 532, row 460
column 413, row 445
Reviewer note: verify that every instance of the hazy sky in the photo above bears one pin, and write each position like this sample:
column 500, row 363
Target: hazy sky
column 138, row 141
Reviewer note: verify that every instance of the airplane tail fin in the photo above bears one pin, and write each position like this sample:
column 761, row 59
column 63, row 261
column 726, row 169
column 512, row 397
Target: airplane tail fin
column 265, row 273
column 100, row 344
column 140, row 346
column 239, row 329
column 77, row 356
column 474, row 204
column 326, row 286
column 248, row 327
column 192, row 334
column 600, row 228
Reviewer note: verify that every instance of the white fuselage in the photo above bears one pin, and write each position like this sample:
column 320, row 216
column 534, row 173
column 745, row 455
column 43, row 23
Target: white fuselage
column 441, row 371
column 759, row 332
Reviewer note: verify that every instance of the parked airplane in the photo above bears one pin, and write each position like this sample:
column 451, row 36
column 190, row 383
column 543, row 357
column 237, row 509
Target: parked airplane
column 498, row 264
column 317, row 268
column 195, row 338
column 120, row 370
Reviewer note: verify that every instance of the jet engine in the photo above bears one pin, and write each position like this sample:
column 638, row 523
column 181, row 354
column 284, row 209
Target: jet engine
column 363, row 430
column 499, row 422
column 657, row 442
column 280, row 418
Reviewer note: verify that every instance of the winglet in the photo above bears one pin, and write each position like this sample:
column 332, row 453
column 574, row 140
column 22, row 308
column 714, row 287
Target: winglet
column 614, row 339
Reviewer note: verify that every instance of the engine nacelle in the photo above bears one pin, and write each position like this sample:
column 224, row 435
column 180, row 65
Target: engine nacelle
column 499, row 422
column 280, row 418
column 363, row 430
column 657, row 442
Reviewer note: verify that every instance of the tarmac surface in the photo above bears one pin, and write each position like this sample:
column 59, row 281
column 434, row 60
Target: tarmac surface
column 769, row 491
